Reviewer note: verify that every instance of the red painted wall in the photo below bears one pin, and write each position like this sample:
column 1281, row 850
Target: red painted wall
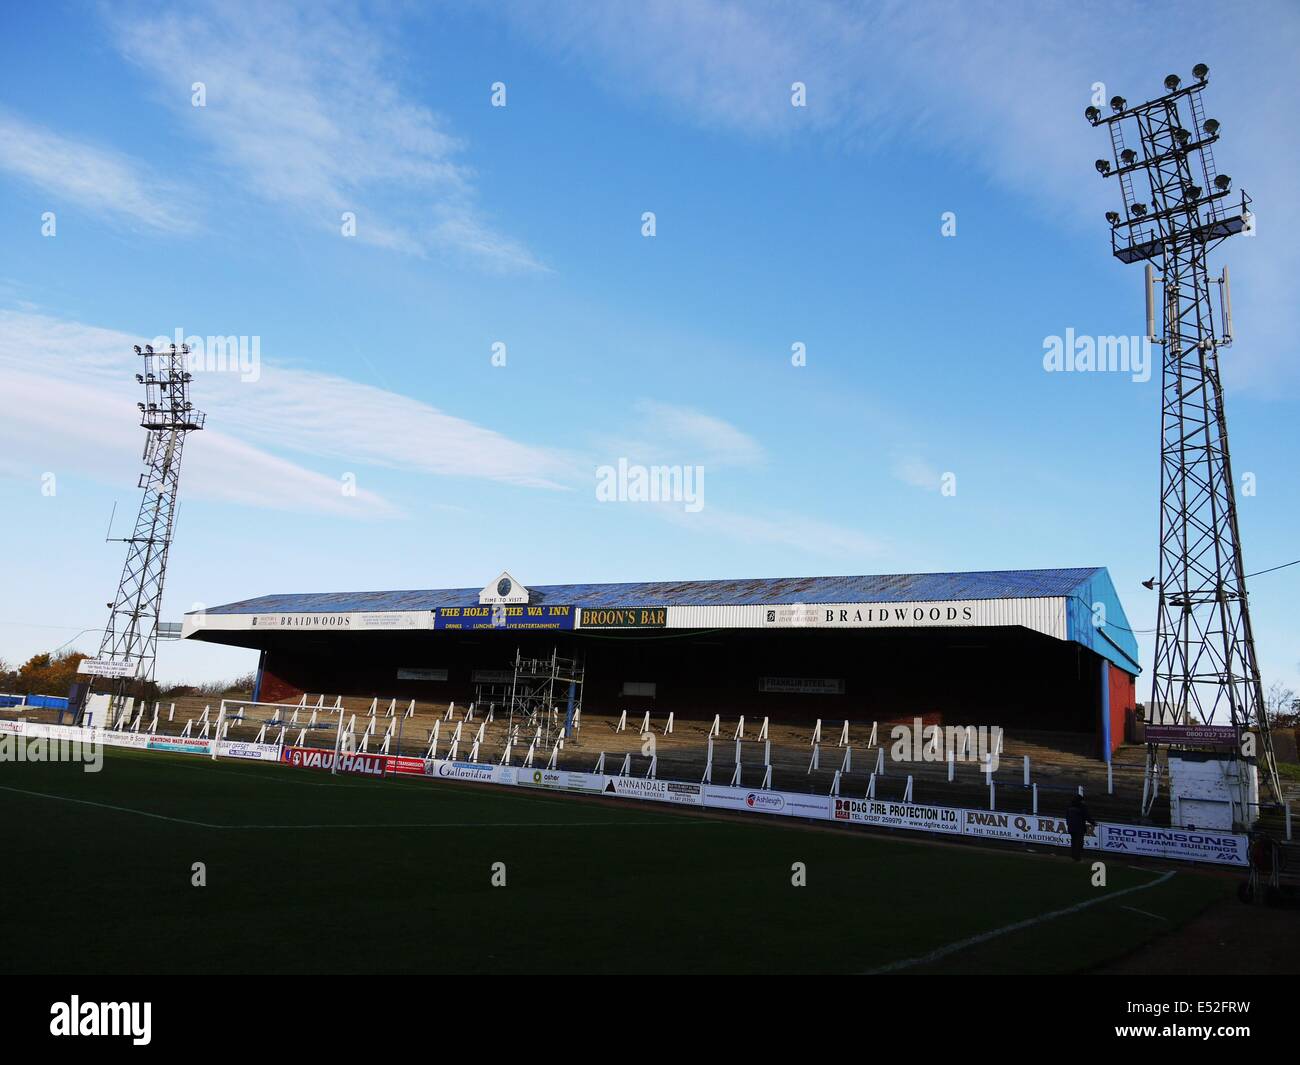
column 1123, row 698
column 274, row 688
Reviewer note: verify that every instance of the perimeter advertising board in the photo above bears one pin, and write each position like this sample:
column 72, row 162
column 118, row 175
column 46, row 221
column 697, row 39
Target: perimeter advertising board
column 888, row 814
column 655, row 790
column 1022, row 828
column 560, row 779
column 370, row 765
column 779, row 803
column 257, row 752
column 1220, row 848
column 179, row 745
column 480, row 771
column 404, row 766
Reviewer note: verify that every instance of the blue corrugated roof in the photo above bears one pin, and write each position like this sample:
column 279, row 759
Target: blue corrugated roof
column 884, row 588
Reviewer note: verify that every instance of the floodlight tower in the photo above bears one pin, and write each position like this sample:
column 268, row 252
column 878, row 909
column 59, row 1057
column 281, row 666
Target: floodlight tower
column 1205, row 669
column 167, row 415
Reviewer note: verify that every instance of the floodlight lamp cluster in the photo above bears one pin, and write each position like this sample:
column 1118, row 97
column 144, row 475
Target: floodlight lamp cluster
column 184, row 349
column 1183, row 141
column 1173, row 83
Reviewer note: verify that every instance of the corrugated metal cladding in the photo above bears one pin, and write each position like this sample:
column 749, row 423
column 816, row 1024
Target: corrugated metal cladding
column 1095, row 618
column 886, row 588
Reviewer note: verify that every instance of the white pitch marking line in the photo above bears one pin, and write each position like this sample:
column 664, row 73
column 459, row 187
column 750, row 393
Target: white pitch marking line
column 109, row 806
column 295, row 828
column 1145, row 913
column 984, row 937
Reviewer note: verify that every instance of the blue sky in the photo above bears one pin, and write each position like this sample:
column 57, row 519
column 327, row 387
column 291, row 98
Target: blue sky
column 522, row 225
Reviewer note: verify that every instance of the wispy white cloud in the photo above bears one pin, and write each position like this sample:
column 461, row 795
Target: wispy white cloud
column 915, row 471
column 780, row 529
column 303, row 108
column 660, row 432
column 68, row 171
column 333, row 417
column 82, row 430
column 72, row 410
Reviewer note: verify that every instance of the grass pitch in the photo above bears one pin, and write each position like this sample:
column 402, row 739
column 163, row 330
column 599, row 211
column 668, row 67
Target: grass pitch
column 308, row 873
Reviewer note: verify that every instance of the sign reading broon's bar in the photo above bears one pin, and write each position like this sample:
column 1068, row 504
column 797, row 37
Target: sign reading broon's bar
column 624, row 617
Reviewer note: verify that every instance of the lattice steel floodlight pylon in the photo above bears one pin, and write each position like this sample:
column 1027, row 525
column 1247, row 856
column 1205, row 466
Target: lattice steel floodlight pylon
column 1205, row 668
column 167, row 415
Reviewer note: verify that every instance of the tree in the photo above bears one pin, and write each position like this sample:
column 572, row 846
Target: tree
column 48, row 674
column 1282, row 706
column 8, row 676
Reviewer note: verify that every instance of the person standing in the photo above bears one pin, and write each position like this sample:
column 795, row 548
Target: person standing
column 1077, row 821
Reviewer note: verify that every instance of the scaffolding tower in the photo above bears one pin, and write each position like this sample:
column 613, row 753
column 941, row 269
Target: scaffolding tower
column 534, row 713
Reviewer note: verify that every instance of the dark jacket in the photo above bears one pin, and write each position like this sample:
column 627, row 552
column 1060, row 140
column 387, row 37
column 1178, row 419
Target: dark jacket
column 1076, row 817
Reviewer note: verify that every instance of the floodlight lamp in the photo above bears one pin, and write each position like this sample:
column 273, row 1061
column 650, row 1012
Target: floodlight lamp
column 1172, row 81
column 1103, row 167
column 137, row 349
column 1211, row 126
column 1181, row 135
column 1091, row 114
column 148, row 349
column 1112, row 217
column 1223, row 183
column 1193, row 192
column 1128, row 155
column 1139, row 209
column 1200, row 72
column 1118, row 103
